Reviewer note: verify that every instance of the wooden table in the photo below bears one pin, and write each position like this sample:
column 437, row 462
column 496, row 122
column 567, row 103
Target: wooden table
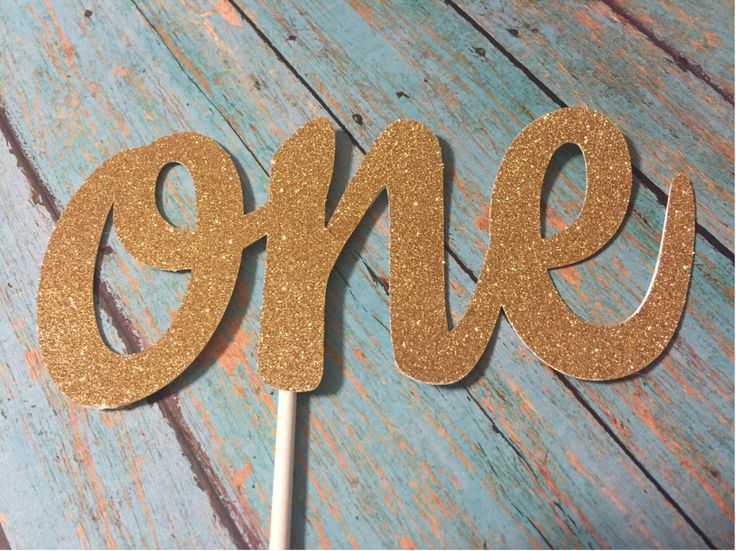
column 514, row 456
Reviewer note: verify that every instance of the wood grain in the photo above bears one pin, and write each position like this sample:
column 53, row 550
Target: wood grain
column 697, row 35
column 589, row 54
column 381, row 461
column 74, row 477
column 347, row 75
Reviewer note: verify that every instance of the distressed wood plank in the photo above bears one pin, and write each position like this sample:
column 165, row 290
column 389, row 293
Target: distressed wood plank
column 585, row 53
column 103, row 123
column 74, row 477
column 698, row 34
column 617, row 280
column 220, row 432
column 336, row 426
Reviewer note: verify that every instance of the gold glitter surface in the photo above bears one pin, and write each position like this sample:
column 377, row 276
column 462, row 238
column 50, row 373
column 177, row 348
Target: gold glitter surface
column 302, row 249
column 80, row 363
column 519, row 258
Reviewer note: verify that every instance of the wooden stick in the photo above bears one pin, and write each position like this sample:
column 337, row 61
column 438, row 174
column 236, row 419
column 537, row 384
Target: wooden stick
column 283, row 471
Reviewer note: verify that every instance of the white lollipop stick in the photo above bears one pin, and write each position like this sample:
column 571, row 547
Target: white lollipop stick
column 283, row 469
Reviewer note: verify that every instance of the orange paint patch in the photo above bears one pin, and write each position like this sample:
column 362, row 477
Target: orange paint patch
column 68, row 49
column 239, row 478
column 453, row 481
column 576, row 464
column 428, row 469
column 389, row 503
column 592, row 26
column 621, row 270
column 33, row 360
column 482, row 221
column 84, row 542
column 121, row 124
column 108, row 419
column 571, row 275
column 405, row 542
column 554, row 220
column 359, row 356
column 225, row 10
column 18, row 324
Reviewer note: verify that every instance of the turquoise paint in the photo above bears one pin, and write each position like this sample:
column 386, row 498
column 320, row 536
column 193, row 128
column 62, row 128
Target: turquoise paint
column 674, row 120
column 512, row 486
column 74, row 477
column 699, row 32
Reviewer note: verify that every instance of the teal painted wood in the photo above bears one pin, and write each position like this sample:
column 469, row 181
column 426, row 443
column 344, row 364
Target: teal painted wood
column 327, row 523
column 389, row 437
column 590, row 288
column 585, row 54
column 699, row 34
column 74, row 477
column 104, row 129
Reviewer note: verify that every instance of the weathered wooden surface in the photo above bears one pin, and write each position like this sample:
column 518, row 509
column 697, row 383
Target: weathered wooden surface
column 514, row 456
column 695, row 34
column 75, row 477
column 590, row 55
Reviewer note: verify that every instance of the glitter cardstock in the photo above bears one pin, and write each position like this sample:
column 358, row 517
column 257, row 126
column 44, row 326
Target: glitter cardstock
column 302, row 247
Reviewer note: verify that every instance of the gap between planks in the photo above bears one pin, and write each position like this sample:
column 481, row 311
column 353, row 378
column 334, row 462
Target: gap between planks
column 203, row 471
column 659, row 194
column 682, row 62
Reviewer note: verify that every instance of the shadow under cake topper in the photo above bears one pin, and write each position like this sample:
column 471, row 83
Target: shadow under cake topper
column 302, row 247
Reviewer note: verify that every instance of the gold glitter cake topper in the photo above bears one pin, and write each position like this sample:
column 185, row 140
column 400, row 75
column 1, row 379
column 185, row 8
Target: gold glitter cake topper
column 302, row 247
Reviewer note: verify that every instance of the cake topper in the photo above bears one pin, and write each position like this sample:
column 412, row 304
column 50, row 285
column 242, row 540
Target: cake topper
column 303, row 245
